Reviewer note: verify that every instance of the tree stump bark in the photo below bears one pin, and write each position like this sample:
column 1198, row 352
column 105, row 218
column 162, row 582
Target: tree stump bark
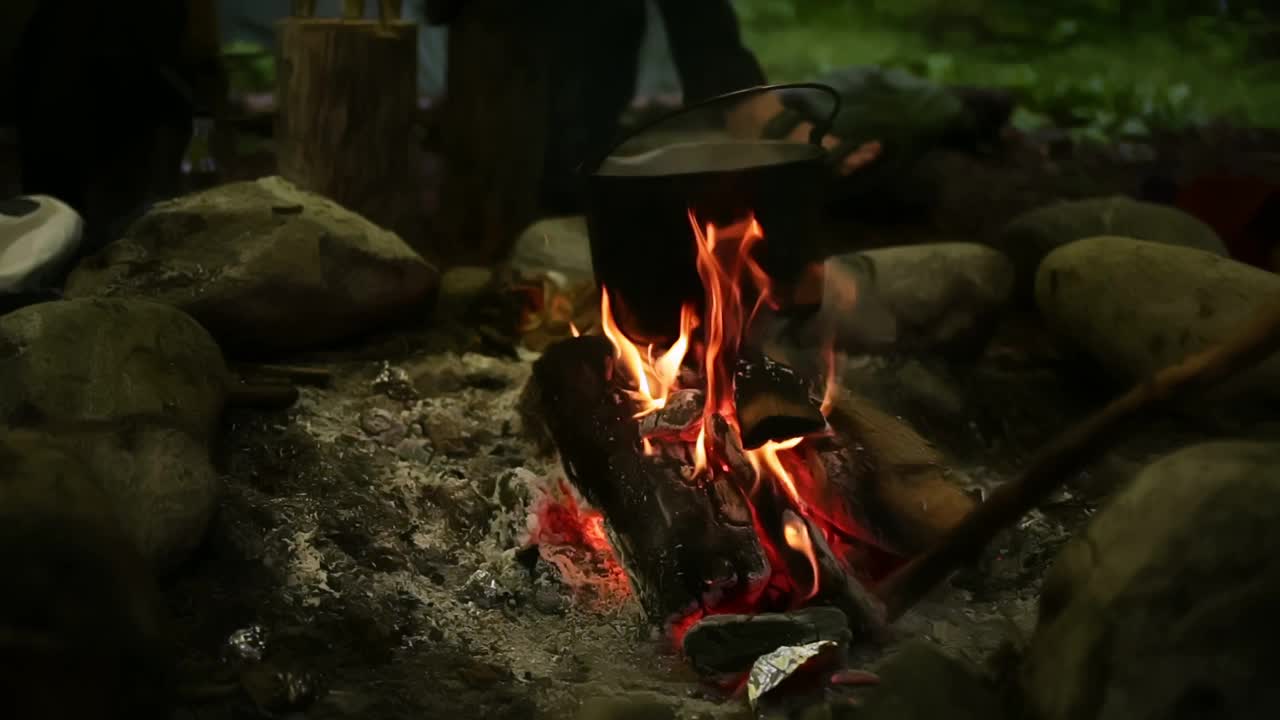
column 494, row 128
column 347, row 97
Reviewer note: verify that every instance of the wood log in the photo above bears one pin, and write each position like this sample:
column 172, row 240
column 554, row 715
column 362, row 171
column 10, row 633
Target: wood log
column 347, row 96
column 493, row 126
column 273, row 396
column 897, row 484
column 773, row 401
column 683, row 544
column 300, row 374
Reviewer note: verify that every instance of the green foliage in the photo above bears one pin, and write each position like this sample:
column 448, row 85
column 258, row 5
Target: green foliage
column 251, row 67
column 1102, row 68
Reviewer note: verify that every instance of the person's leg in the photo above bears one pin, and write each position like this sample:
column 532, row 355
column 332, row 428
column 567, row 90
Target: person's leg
column 593, row 79
column 99, row 124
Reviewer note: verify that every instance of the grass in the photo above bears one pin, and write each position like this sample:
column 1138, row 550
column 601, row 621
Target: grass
column 1101, row 80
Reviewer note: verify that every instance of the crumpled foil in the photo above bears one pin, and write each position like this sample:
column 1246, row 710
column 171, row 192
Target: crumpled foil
column 248, row 644
column 394, row 382
column 772, row 669
column 484, row 589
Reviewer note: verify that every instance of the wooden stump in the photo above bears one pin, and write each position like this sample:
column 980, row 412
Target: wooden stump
column 494, row 127
column 347, row 97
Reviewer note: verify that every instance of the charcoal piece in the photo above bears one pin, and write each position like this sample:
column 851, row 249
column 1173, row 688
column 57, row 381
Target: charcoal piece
column 774, row 402
column 682, row 411
column 732, row 643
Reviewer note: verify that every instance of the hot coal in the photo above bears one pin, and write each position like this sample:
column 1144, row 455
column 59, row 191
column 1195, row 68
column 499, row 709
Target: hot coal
column 682, row 409
column 732, row 643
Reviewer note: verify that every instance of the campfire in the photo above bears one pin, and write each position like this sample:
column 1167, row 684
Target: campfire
column 724, row 481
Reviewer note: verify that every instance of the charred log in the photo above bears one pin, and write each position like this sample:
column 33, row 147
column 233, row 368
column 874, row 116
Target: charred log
column 774, row 402
column 683, row 544
column 811, row 563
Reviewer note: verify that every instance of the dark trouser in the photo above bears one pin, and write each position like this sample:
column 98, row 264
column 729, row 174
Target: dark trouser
column 595, row 61
column 100, row 126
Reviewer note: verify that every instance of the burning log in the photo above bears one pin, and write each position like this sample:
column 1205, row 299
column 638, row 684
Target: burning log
column 683, row 544
column 773, row 401
column 682, row 411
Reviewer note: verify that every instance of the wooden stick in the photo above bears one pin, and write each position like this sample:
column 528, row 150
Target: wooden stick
column 299, row 374
column 1066, row 454
column 275, row 396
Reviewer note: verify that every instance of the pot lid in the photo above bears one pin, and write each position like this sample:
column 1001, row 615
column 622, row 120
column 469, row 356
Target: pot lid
column 724, row 134
column 703, row 156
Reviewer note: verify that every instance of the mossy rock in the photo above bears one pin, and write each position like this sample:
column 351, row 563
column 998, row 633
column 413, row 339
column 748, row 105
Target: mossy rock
column 1158, row 609
column 1028, row 238
column 1137, row 307
column 918, row 681
column 80, row 616
column 104, row 360
column 263, row 265
column 153, row 484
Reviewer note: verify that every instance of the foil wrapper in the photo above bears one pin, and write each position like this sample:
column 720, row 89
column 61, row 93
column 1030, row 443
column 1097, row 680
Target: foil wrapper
column 773, row 669
column 248, row 644
column 484, row 589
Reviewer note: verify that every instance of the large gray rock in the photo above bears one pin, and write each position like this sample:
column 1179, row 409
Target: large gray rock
column 1140, row 306
column 1028, row 238
column 75, row 587
column 110, row 404
column 262, row 265
column 41, row 476
column 1163, row 607
column 918, row 297
column 161, row 483
column 154, row 484
column 920, row 682
column 554, row 245
column 108, row 360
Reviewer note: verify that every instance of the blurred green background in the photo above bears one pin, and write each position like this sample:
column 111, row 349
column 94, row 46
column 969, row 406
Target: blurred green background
column 1100, row 68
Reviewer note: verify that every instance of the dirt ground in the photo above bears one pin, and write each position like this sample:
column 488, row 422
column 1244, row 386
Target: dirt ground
column 376, row 532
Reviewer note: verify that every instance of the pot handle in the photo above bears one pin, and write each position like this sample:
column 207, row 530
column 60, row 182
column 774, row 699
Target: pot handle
column 820, row 128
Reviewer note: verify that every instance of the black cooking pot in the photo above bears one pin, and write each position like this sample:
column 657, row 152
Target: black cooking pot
column 642, row 245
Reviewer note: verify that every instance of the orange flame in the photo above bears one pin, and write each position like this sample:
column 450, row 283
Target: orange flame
column 654, row 378
column 736, row 288
column 796, row 534
column 833, row 377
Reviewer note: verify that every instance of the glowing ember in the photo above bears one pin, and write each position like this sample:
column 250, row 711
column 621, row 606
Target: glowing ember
column 572, row 538
column 736, row 290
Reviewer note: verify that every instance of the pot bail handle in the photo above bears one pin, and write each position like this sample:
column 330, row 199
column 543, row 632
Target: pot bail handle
column 821, row 127
column 787, row 119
